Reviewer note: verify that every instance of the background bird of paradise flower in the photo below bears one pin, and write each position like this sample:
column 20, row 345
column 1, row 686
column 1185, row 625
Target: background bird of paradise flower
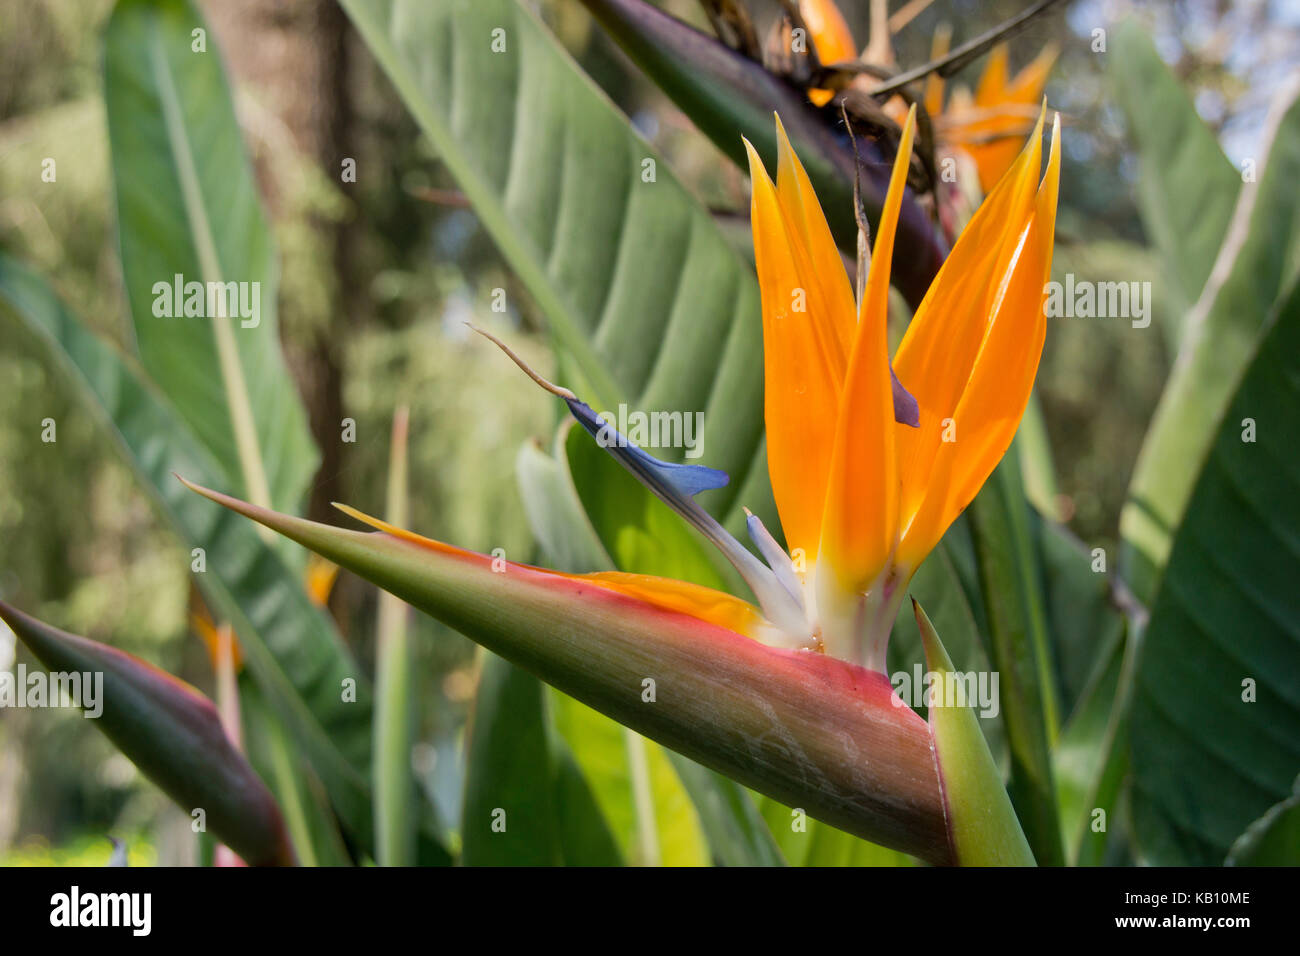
column 362, row 311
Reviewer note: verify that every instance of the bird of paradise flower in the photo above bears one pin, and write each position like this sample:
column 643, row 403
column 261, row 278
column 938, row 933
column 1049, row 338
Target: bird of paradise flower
column 862, row 496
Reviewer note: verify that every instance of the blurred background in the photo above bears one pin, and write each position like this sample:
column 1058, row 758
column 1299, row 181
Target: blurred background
column 375, row 287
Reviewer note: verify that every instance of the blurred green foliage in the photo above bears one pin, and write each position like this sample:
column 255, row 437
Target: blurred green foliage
column 80, row 851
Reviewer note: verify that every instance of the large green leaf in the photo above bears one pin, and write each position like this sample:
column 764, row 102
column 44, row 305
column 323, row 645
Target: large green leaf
column 804, row 841
column 584, row 836
column 525, row 804
column 738, row 834
column 1091, row 758
column 1261, row 256
column 508, row 815
column 187, row 205
column 1083, row 620
column 636, row 787
column 1034, row 446
column 1215, row 724
column 831, row 847
column 1273, row 839
column 170, row 731
column 1178, row 157
column 555, row 513
column 303, row 799
column 292, row 646
column 649, row 303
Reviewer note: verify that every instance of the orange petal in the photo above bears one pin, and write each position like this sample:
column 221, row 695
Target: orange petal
column 1020, row 201
column 934, row 82
column 1028, row 85
column 990, row 409
column 831, row 38
column 860, row 523
column 993, row 81
column 993, row 139
column 705, row 604
column 212, row 639
column 803, row 213
column 938, row 351
column 830, row 31
column 319, row 579
column 993, row 143
column 716, row 607
column 993, row 398
column 802, row 366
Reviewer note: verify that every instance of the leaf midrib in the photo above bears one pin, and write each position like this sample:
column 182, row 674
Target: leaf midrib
column 200, row 229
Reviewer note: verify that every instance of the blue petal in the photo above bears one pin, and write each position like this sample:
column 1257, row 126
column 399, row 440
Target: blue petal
column 685, row 481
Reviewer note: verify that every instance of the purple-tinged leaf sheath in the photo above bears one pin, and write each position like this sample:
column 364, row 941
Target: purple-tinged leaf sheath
column 174, row 735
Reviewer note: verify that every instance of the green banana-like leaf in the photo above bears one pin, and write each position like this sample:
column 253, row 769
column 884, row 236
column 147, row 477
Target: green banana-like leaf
column 1090, row 760
column 804, row 841
column 1259, row 260
column 1083, row 620
column 1178, row 157
column 803, row 728
column 522, row 792
column 508, row 814
column 727, row 96
column 640, row 796
column 1011, row 581
column 583, row 834
column 649, row 304
column 1273, row 839
column 555, row 514
column 291, row 646
column 308, row 812
column 982, row 824
column 187, row 205
column 832, row 847
column 1215, row 723
column 1035, row 452
column 738, row 834
column 171, row 732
